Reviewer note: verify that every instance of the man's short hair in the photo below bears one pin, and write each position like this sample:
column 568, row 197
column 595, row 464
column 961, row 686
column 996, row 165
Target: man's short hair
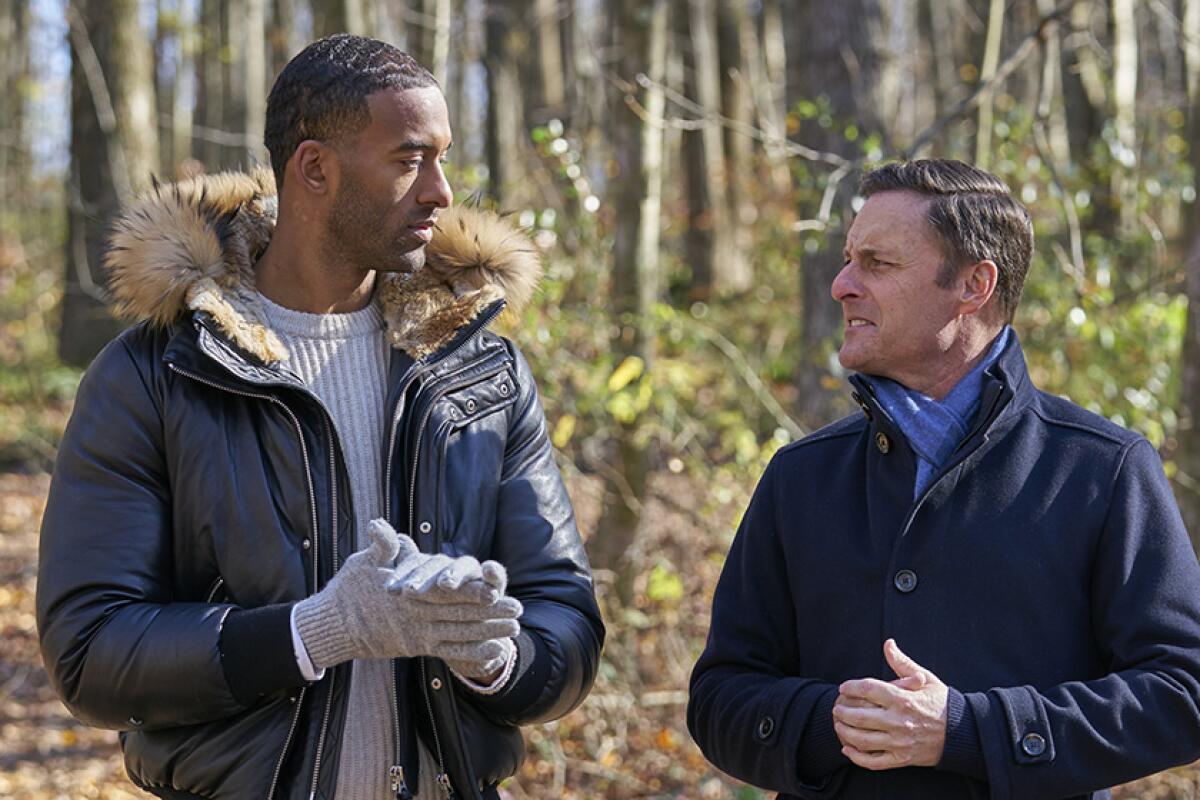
column 974, row 214
column 322, row 93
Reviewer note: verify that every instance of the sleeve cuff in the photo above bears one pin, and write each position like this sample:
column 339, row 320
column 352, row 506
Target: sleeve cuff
column 963, row 751
column 310, row 672
column 496, row 685
column 820, row 751
column 257, row 653
column 531, row 671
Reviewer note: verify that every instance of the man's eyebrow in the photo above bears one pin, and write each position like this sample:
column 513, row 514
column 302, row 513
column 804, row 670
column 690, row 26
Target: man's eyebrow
column 414, row 144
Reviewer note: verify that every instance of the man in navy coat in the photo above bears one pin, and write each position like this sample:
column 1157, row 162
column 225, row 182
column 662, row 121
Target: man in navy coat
column 971, row 589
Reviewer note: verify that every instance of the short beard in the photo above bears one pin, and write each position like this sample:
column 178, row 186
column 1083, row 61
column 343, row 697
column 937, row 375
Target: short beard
column 351, row 243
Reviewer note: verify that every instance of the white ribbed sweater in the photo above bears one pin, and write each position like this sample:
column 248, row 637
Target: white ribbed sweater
column 343, row 359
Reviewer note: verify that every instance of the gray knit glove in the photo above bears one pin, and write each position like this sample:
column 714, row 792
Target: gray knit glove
column 356, row 616
column 476, row 662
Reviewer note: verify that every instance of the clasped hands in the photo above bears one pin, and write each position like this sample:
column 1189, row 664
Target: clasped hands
column 390, row 600
column 890, row 724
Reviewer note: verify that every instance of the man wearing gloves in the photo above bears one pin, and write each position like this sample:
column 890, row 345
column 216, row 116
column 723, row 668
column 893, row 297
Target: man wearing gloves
column 972, row 589
column 221, row 576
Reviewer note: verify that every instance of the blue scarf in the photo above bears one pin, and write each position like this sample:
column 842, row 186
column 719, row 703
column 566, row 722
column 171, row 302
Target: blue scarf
column 934, row 428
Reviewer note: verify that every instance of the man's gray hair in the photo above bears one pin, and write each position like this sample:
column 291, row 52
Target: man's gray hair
column 974, row 214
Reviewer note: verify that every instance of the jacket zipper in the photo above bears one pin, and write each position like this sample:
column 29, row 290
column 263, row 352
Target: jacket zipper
column 443, row 779
column 312, row 792
column 312, row 505
column 216, row 587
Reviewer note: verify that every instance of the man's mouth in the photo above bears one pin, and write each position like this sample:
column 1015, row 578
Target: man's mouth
column 856, row 322
column 423, row 230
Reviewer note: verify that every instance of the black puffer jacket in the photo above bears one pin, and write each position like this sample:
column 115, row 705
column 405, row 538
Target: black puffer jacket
column 201, row 491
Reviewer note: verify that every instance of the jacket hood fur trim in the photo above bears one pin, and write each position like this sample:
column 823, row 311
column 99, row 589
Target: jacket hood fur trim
column 192, row 245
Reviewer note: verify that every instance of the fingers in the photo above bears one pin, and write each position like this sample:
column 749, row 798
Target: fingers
column 385, row 543
column 912, row 683
column 867, row 718
column 473, row 654
column 868, row 741
column 476, row 591
column 478, row 630
column 457, row 573
column 869, row 760
column 495, row 575
column 420, row 577
column 408, row 548
column 506, row 608
column 474, row 670
column 872, row 690
column 901, row 664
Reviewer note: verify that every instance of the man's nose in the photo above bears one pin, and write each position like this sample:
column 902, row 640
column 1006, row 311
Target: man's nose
column 435, row 189
column 845, row 283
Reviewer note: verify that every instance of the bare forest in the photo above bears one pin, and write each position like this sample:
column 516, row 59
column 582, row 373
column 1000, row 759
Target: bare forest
column 688, row 169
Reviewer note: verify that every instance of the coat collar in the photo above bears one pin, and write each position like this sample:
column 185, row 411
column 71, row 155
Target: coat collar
column 192, row 246
column 1006, row 391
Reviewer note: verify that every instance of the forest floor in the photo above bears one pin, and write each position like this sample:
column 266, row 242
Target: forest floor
column 628, row 740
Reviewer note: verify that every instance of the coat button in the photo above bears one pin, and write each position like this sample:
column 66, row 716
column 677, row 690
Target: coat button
column 905, row 580
column 883, row 442
column 306, row 544
column 470, row 405
column 1033, row 744
column 135, row 721
column 436, row 683
column 766, row 726
column 425, row 527
column 504, row 389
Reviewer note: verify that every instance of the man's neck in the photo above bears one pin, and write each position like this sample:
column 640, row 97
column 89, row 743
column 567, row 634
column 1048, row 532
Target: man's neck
column 970, row 349
column 297, row 278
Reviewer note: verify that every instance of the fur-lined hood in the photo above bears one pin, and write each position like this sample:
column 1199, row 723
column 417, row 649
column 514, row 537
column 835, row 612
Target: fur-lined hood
column 193, row 245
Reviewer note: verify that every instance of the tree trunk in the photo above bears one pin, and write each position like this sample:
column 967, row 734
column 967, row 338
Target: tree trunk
column 721, row 270
column 183, row 95
column 166, row 77
column 114, row 151
column 15, row 66
column 338, row 16
column 991, row 60
column 437, row 32
column 699, row 249
column 839, row 54
column 1085, row 101
column 1125, row 80
column 639, row 33
column 254, row 82
column 734, row 33
column 773, row 105
column 210, row 89
column 285, row 37
column 233, row 83
column 1187, row 477
column 550, row 57
column 505, row 125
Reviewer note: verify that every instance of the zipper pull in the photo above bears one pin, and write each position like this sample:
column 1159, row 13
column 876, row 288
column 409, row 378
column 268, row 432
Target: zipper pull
column 447, row 789
column 399, row 787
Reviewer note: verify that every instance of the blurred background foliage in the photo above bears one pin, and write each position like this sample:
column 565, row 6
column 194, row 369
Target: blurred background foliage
column 688, row 169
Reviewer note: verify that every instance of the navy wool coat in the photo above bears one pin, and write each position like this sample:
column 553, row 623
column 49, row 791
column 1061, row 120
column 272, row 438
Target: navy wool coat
column 1045, row 576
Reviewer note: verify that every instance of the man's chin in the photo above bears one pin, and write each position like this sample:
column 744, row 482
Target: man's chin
column 406, row 264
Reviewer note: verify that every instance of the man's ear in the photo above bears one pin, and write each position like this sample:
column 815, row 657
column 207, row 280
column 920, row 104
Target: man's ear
column 978, row 286
column 313, row 166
